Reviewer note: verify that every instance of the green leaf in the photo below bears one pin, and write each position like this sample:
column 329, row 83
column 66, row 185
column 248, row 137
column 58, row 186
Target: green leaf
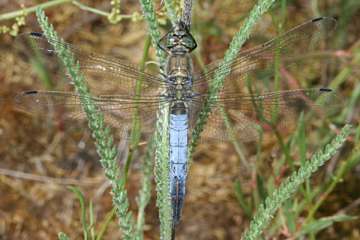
column 288, row 188
column 289, row 209
column 322, row 223
column 301, row 138
column 80, row 197
column 260, row 187
column 92, row 220
column 103, row 227
column 241, row 199
column 63, row 236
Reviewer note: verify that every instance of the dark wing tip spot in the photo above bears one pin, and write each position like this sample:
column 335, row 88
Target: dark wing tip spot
column 31, row 92
column 318, row 19
column 331, row 18
column 36, row 34
column 326, row 90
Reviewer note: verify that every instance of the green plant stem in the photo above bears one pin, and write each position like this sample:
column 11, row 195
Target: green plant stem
column 81, row 198
column 54, row 3
column 340, row 173
column 136, row 128
column 109, row 15
column 100, row 133
column 144, row 195
column 218, row 81
column 232, row 137
column 239, row 147
column 90, row 9
column 288, row 188
column 151, row 19
column 104, row 226
column 170, row 9
column 161, row 138
column 17, row 13
column 162, row 171
column 355, row 96
column 145, row 192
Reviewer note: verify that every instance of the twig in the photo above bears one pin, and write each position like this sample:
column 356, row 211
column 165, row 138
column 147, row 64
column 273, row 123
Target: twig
column 25, row 11
column 351, row 206
column 46, row 179
column 54, row 3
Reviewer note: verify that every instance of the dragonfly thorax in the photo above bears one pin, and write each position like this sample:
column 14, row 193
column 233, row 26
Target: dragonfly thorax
column 178, row 65
column 178, row 40
column 179, row 79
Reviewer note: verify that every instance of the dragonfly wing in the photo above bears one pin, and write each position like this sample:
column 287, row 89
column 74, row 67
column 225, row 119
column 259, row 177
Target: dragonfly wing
column 221, row 127
column 287, row 48
column 248, row 105
column 244, row 114
column 119, row 111
column 104, row 74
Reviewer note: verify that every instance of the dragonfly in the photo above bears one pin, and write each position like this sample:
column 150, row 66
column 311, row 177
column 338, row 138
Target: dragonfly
column 114, row 84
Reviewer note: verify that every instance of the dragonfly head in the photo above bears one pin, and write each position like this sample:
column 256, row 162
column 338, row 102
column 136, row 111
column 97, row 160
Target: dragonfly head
column 178, row 39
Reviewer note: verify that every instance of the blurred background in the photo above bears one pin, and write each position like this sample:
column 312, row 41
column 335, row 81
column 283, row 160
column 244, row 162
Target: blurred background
column 40, row 157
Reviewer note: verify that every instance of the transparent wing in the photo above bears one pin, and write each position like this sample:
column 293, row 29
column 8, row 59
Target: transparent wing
column 240, row 115
column 121, row 91
column 239, row 127
column 287, row 47
column 119, row 111
column 104, row 74
column 246, row 101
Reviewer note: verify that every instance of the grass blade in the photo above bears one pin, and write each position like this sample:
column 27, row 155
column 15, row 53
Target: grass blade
column 81, row 199
column 288, row 188
column 101, row 134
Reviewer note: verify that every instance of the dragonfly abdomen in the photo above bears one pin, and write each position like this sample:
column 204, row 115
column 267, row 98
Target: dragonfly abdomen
column 178, row 160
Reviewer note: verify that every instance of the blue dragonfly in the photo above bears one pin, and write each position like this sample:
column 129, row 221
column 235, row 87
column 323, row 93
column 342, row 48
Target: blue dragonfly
column 113, row 83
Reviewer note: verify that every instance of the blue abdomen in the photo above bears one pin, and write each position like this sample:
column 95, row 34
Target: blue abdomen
column 178, row 137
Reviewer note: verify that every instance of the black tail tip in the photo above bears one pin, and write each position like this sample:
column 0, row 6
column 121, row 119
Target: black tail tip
column 173, row 233
column 31, row 92
column 326, row 90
